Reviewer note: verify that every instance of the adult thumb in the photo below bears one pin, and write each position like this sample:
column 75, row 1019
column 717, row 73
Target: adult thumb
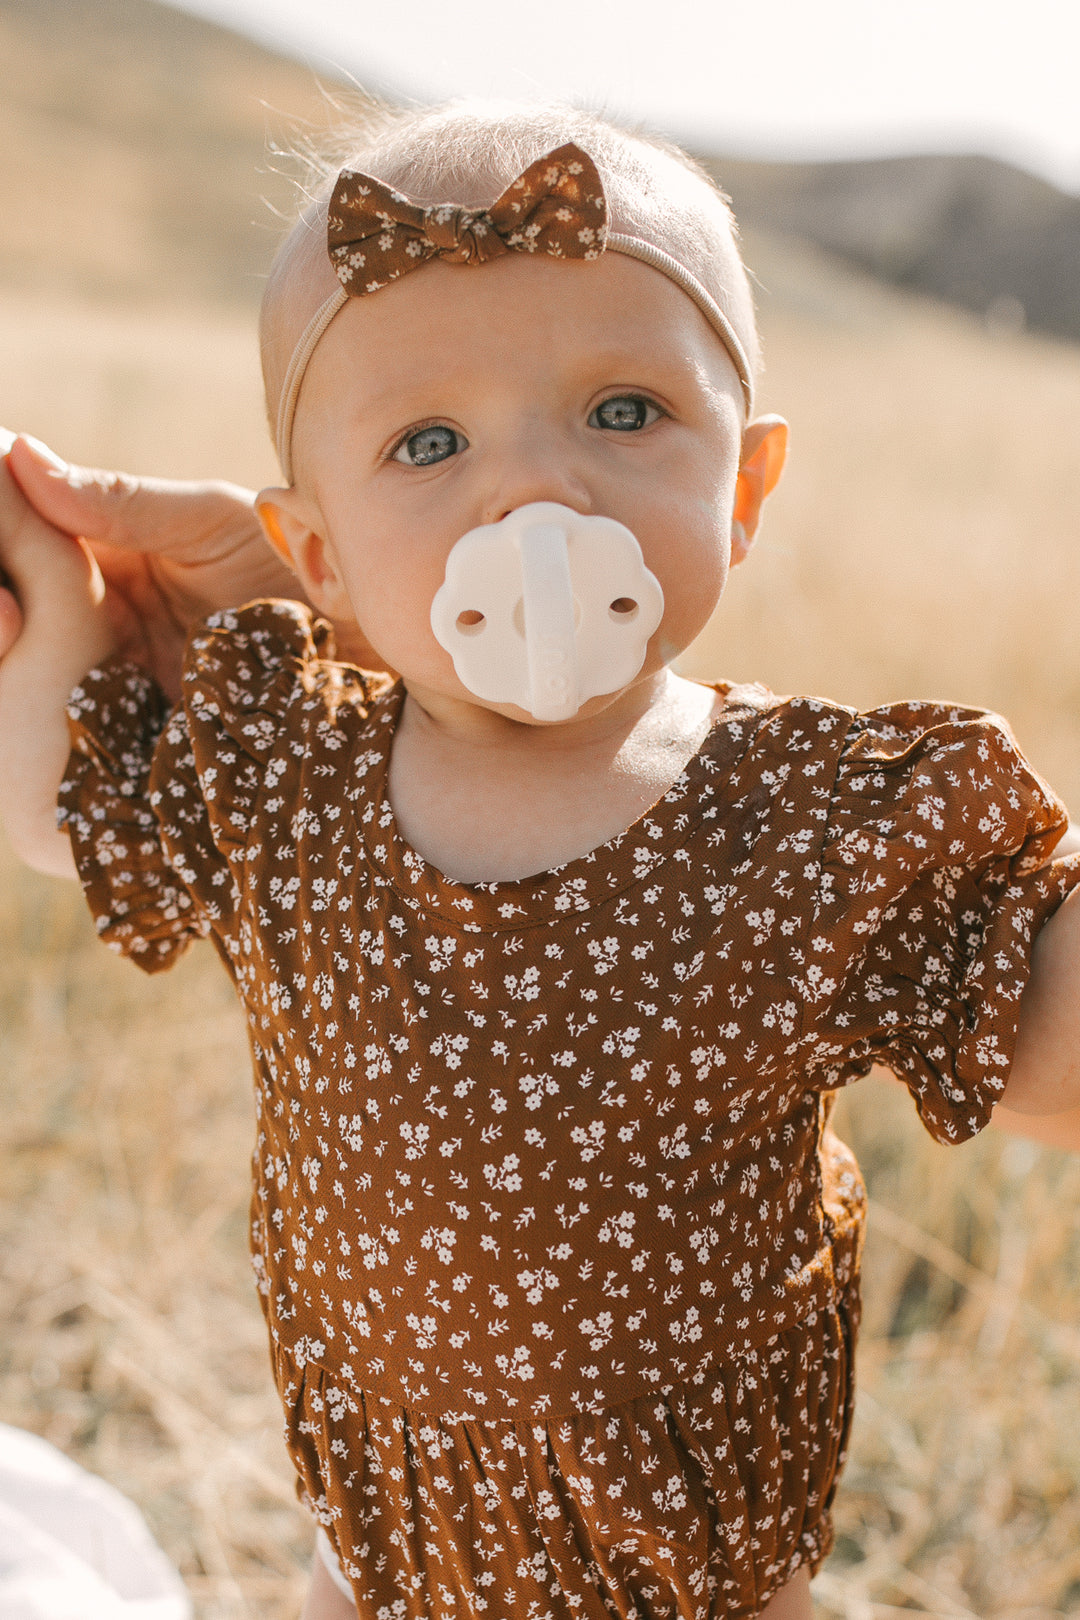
column 78, row 500
column 200, row 523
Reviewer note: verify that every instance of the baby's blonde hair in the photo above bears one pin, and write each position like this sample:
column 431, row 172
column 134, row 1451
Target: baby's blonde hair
column 467, row 152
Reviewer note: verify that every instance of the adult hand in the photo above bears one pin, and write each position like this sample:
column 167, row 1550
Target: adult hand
column 170, row 552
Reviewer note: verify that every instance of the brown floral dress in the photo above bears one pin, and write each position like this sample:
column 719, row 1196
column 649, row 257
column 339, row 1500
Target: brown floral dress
column 557, row 1255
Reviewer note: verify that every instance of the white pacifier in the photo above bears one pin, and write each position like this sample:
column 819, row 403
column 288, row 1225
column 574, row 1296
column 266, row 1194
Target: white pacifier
column 546, row 609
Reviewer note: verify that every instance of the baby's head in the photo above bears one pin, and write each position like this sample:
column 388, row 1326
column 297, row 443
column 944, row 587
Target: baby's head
column 546, row 366
column 468, row 153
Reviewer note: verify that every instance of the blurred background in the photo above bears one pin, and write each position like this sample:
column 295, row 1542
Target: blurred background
column 907, row 181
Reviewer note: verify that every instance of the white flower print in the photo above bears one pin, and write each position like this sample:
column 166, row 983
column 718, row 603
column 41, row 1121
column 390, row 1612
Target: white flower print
column 549, row 1148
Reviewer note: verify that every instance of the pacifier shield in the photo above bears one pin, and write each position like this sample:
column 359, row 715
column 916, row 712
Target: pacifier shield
column 546, row 609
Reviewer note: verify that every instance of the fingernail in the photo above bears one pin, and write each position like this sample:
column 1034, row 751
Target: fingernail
column 43, row 453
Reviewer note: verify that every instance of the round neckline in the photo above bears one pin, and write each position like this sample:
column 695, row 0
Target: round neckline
column 562, row 891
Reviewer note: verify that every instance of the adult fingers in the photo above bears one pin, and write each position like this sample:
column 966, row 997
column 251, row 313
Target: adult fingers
column 37, row 562
column 184, row 520
column 10, row 613
column 20, row 531
column 10, row 621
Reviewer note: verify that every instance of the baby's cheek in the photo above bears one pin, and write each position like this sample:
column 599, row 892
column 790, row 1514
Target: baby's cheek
column 354, row 647
column 403, row 641
column 691, row 594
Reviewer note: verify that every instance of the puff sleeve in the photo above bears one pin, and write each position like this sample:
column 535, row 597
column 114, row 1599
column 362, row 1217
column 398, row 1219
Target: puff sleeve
column 935, row 878
column 162, row 809
column 141, row 906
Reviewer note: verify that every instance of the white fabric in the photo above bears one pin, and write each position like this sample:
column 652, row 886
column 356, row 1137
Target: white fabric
column 73, row 1548
column 325, row 1550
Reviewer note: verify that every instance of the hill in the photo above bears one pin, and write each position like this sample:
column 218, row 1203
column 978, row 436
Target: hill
column 136, row 140
column 136, row 143
column 969, row 230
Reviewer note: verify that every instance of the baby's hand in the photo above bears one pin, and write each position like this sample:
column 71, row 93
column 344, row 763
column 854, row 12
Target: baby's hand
column 54, row 616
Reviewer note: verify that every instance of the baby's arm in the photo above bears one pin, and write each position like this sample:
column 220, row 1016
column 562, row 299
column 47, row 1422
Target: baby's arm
column 1042, row 1096
column 64, row 633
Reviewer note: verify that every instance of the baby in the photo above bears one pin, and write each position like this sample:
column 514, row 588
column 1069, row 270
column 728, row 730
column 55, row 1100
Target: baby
column 558, row 1256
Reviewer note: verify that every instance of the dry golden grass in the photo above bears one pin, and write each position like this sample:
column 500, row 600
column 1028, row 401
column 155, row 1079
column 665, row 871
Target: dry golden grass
column 924, row 543
column 135, row 141
column 924, row 539
column 132, row 1338
column 173, row 391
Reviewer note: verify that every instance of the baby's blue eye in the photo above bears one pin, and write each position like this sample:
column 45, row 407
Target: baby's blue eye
column 625, row 413
column 430, row 444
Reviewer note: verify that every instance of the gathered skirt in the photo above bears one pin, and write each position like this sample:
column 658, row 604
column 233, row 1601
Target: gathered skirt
column 696, row 1503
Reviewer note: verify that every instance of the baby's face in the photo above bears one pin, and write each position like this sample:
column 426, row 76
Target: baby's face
column 455, row 395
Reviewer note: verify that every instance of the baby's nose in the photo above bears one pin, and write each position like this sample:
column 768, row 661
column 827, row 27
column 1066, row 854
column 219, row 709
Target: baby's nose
column 560, row 488
column 536, row 465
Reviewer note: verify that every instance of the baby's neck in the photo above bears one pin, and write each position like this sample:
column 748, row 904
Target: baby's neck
column 486, row 799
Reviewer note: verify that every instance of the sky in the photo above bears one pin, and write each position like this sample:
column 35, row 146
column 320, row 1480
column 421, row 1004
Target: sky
column 771, row 78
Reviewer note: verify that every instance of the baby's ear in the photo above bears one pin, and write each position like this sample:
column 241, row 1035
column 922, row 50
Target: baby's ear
column 764, row 451
column 294, row 531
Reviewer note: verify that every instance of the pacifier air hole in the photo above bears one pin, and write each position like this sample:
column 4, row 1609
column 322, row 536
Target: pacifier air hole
column 623, row 610
column 470, row 621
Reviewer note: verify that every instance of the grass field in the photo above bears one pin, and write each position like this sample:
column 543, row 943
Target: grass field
column 924, row 542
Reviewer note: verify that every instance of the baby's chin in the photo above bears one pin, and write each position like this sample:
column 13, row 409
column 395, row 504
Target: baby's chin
column 450, row 701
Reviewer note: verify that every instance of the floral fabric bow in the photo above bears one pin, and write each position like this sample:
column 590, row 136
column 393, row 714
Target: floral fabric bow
column 556, row 208
column 375, row 234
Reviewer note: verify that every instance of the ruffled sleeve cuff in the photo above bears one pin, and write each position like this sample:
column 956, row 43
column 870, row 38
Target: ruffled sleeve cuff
column 140, row 906
column 936, row 879
column 166, row 811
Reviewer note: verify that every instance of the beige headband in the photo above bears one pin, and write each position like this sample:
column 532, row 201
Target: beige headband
column 557, row 207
